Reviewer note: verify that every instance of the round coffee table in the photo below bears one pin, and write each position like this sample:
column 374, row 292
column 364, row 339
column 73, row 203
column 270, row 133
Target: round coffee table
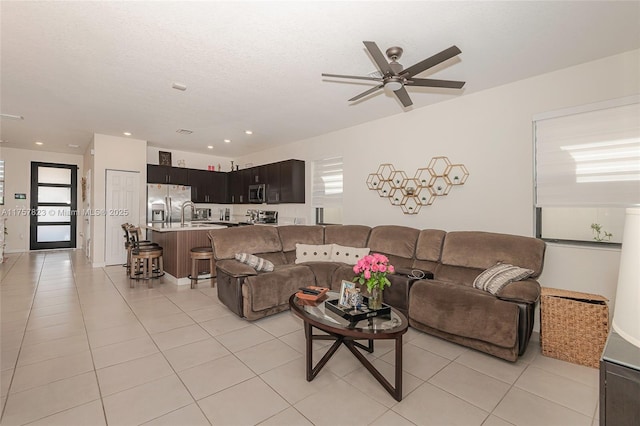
column 390, row 326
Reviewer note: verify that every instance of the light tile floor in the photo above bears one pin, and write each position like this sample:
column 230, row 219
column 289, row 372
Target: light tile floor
column 80, row 347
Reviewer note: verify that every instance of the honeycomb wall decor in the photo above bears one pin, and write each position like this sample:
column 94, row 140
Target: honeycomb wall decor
column 412, row 193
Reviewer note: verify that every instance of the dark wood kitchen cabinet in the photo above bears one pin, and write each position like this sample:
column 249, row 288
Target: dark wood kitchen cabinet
column 273, row 183
column 219, row 187
column 286, row 182
column 258, row 175
column 167, row 175
column 239, row 186
column 207, row 186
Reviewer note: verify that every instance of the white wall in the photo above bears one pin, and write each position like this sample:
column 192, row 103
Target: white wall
column 491, row 133
column 18, row 180
column 192, row 160
column 115, row 153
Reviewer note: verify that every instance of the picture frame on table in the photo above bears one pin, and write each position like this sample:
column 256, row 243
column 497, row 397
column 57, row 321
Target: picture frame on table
column 164, row 158
column 345, row 292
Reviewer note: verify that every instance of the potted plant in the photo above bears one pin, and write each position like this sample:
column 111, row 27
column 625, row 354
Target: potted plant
column 598, row 231
column 372, row 270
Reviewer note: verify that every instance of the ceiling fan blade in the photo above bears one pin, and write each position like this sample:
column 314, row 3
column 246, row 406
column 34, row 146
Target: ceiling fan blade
column 378, row 57
column 403, row 96
column 431, row 62
column 429, row 82
column 365, row 93
column 352, row 76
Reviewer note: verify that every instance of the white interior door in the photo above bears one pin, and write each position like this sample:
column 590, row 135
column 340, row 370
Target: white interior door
column 86, row 199
column 122, row 205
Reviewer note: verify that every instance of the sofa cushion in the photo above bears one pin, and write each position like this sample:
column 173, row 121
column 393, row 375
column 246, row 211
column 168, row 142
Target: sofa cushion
column 394, row 240
column 323, row 271
column 227, row 242
column 481, row 250
column 495, row 278
column 290, row 235
column 456, row 274
column 429, row 245
column 347, row 235
column 313, row 253
column 348, row 255
column 342, row 273
column 234, row 268
column 464, row 311
column 525, row 291
column 257, row 263
column 269, row 289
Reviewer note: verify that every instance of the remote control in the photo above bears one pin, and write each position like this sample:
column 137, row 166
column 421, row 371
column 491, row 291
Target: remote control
column 309, row 291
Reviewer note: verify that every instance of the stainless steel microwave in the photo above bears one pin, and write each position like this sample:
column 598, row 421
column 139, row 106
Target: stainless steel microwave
column 257, row 194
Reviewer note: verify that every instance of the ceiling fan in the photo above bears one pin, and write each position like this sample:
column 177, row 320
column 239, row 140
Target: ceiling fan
column 394, row 77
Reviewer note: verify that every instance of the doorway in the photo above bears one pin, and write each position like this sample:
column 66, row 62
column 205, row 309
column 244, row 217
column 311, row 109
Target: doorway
column 122, row 205
column 53, row 214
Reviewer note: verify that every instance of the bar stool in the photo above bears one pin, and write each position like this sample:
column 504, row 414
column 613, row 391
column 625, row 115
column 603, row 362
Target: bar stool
column 201, row 253
column 146, row 258
column 131, row 237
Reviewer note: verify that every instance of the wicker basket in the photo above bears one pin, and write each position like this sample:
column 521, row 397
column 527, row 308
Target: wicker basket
column 574, row 326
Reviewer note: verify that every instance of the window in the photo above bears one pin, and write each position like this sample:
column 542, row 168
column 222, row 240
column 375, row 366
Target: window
column 1, row 182
column 327, row 190
column 587, row 170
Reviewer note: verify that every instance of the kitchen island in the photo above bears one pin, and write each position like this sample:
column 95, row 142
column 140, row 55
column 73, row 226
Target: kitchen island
column 176, row 242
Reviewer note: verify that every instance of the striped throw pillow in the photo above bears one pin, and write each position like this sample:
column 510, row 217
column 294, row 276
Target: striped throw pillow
column 498, row 276
column 257, row 263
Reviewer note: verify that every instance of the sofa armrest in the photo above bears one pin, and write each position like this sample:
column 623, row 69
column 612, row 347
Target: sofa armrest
column 234, row 268
column 526, row 291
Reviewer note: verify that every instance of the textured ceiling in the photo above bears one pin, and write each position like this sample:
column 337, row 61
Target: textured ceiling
column 77, row 68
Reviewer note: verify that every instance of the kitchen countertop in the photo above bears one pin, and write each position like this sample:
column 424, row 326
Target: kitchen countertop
column 188, row 226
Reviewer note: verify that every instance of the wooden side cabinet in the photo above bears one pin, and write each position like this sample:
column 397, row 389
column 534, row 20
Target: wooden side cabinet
column 619, row 383
column 166, row 174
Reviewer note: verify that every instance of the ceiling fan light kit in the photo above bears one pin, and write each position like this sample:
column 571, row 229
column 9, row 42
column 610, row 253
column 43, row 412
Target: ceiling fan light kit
column 393, row 77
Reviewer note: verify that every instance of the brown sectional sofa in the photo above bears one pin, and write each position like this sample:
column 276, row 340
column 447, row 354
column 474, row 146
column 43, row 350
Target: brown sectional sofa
column 446, row 306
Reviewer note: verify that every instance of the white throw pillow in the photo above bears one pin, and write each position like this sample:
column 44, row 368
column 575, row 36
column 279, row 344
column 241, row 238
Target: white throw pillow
column 348, row 255
column 313, row 253
column 257, row 263
column 496, row 277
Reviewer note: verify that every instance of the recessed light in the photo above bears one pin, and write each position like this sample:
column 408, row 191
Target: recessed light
column 248, row 132
column 227, row 140
column 184, row 131
column 12, row 116
column 127, row 133
column 39, row 143
column 72, row 145
column 210, row 146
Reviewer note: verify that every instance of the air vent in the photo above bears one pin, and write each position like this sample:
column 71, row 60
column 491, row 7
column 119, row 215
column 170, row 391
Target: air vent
column 184, row 131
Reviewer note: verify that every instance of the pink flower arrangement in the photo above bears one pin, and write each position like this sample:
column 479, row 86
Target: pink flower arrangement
column 372, row 270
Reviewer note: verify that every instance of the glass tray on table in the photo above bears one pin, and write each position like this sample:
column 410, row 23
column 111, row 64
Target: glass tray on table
column 352, row 314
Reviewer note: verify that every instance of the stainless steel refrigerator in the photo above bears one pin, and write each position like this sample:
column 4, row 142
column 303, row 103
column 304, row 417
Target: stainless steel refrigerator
column 165, row 201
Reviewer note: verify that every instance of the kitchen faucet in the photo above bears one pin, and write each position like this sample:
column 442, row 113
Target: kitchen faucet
column 184, row 205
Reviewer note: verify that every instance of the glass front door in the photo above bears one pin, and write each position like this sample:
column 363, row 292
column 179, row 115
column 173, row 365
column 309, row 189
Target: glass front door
column 53, row 205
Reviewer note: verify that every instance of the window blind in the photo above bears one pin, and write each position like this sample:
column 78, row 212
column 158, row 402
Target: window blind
column 327, row 183
column 589, row 158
